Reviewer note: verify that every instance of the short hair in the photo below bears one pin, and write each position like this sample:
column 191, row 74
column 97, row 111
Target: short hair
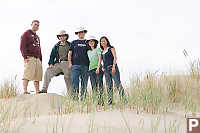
column 35, row 21
column 108, row 42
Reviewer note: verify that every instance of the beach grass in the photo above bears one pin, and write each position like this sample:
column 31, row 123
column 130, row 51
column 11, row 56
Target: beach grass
column 150, row 93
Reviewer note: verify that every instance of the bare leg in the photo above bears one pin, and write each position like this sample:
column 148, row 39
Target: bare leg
column 36, row 84
column 25, row 84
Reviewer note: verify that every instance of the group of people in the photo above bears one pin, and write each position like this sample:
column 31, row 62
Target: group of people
column 77, row 61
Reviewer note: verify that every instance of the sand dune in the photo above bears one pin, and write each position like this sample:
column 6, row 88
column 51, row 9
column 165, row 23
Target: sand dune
column 41, row 119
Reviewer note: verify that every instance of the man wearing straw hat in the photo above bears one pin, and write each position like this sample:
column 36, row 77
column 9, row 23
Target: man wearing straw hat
column 58, row 63
column 79, row 63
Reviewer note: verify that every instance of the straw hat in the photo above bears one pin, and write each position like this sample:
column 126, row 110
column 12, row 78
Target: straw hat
column 92, row 38
column 62, row 32
column 80, row 29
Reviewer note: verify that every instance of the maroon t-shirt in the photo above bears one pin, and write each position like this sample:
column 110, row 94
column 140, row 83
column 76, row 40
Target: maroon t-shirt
column 30, row 45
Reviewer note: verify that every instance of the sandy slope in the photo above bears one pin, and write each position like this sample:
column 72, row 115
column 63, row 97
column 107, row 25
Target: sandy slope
column 112, row 121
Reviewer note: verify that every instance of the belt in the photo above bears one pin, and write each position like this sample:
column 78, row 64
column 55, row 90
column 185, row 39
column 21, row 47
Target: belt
column 62, row 60
column 109, row 67
column 33, row 56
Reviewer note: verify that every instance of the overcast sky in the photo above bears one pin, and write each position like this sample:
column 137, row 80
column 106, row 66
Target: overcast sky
column 148, row 35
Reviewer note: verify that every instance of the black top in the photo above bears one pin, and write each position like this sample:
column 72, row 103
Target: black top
column 107, row 57
column 79, row 52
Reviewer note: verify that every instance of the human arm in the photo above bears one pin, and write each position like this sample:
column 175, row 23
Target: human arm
column 70, row 59
column 114, row 60
column 52, row 57
column 40, row 54
column 23, row 46
column 99, row 63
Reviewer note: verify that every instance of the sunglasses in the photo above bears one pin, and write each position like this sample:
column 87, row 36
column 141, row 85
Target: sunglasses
column 81, row 32
column 62, row 35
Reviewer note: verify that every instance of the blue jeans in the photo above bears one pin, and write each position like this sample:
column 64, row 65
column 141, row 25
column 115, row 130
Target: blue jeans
column 79, row 72
column 96, row 81
column 109, row 83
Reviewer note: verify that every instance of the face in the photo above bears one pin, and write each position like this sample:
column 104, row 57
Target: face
column 91, row 43
column 63, row 38
column 81, row 35
column 103, row 42
column 35, row 26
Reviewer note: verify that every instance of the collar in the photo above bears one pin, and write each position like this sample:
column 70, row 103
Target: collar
column 31, row 32
column 58, row 44
column 105, row 50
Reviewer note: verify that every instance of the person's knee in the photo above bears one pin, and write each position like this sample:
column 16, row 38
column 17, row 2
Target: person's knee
column 75, row 75
column 67, row 77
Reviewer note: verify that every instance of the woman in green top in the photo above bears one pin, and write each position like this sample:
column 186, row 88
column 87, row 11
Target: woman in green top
column 95, row 71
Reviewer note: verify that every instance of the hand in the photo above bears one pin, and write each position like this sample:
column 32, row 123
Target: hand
column 115, row 89
column 97, row 71
column 113, row 70
column 26, row 60
column 50, row 66
column 70, row 66
column 103, row 69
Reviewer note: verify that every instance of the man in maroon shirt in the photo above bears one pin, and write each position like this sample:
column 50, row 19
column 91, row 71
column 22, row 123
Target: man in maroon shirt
column 31, row 52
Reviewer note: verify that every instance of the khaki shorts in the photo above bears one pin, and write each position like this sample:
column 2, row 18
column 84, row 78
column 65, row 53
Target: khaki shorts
column 33, row 69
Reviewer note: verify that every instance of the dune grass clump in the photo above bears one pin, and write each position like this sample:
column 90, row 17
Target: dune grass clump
column 146, row 94
column 151, row 92
column 156, row 93
column 8, row 88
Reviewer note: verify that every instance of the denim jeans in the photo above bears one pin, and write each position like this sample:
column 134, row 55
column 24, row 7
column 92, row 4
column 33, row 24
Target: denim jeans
column 96, row 81
column 79, row 72
column 109, row 83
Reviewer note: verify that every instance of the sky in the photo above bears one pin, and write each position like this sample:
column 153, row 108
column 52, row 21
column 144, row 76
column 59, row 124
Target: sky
column 149, row 35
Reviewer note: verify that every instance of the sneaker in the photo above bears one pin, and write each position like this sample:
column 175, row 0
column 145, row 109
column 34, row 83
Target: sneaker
column 42, row 91
column 26, row 93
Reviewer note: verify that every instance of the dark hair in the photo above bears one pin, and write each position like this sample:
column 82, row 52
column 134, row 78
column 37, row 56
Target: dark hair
column 108, row 42
column 95, row 44
column 35, row 21
column 66, row 36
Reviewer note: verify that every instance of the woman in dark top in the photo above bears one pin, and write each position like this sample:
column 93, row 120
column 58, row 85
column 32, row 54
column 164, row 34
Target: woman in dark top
column 110, row 69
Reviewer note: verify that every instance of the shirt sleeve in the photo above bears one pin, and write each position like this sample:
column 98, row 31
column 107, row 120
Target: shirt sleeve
column 52, row 56
column 99, row 51
column 23, row 45
column 40, row 56
column 71, row 46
